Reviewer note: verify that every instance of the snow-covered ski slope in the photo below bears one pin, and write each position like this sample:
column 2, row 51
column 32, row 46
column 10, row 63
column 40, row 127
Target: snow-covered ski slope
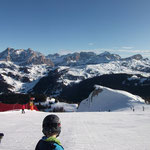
column 126, row 130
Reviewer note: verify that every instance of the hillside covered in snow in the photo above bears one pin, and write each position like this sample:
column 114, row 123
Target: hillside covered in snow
column 106, row 99
column 27, row 71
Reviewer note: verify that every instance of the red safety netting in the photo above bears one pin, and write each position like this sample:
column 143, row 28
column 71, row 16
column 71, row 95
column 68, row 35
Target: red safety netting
column 6, row 107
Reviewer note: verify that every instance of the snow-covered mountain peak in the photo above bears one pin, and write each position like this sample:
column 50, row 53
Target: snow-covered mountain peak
column 105, row 53
column 106, row 99
column 134, row 57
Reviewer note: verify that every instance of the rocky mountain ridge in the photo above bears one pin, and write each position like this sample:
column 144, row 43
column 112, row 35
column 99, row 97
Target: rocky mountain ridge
column 87, row 58
column 27, row 57
column 24, row 57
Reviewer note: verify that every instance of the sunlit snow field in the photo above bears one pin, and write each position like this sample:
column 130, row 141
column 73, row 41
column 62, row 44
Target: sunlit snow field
column 80, row 131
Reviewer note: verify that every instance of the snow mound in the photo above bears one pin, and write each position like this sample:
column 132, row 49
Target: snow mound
column 106, row 99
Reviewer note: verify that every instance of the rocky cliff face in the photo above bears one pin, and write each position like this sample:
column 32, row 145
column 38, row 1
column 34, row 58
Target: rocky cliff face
column 24, row 57
column 28, row 57
column 83, row 58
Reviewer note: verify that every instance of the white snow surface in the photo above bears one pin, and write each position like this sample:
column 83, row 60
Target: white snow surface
column 107, row 99
column 80, row 131
column 73, row 74
column 35, row 73
column 89, row 71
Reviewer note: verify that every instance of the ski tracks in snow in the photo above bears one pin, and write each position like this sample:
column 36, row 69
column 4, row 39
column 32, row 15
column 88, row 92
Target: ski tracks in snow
column 78, row 134
column 82, row 131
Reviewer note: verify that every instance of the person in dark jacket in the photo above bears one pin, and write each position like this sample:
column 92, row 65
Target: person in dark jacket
column 51, row 130
column 1, row 136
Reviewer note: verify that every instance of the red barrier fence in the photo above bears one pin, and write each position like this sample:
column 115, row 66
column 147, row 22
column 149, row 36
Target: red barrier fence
column 6, row 107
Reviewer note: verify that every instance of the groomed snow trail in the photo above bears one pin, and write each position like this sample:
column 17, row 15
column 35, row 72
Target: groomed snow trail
column 82, row 131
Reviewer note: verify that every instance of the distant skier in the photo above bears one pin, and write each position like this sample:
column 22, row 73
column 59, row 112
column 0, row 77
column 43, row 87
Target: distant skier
column 23, row 109
column 51, row 130
column 133, row 108
column 143, row 108
column 1, row 136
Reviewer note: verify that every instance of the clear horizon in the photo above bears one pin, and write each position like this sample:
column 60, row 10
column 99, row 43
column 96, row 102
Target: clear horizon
column 67, row 26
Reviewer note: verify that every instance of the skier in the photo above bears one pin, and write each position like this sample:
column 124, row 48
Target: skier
column 51, row 129
column 23, row 108
column 1, row 136
column 143, row 108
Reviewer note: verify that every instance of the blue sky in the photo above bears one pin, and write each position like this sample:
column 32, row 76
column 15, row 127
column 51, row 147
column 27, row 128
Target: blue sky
column 62, row 26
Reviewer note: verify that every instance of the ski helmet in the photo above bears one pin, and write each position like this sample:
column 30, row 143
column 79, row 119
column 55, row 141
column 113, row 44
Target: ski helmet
column 51, row 124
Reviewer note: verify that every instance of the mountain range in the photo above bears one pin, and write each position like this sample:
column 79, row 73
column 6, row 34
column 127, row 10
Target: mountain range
column 27, row 57
column 28, row 71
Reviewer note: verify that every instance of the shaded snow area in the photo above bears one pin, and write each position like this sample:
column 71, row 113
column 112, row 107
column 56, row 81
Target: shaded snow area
column 106, row 99
column 80, row 131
